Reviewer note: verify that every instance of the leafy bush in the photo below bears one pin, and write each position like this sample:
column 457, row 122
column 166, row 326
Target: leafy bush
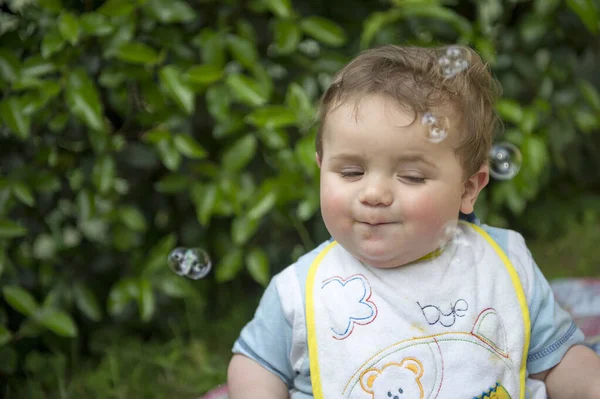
column 132, row 126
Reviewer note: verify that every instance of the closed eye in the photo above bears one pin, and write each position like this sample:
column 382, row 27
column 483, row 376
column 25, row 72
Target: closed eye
column 351, row 173
column 413, row 179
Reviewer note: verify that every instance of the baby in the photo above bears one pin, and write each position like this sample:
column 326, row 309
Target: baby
column 406, row 300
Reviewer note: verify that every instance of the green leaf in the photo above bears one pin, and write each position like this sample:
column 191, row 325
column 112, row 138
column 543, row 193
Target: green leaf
column 84, row 101
column 212, row 47
column 104, row 174
column 96, row 24
column 57, row 321
column 272, row 117
column 5, row 336
column 545, row 7
column 68, row 25
column 9, row 66
column 590, row 93
column 237, row 156
column 116, row 8
column 587, row 12
column 189, row 147
column 247, row 90
column 263, row 205
column 86, row 302
column 36, row 66
column 297, row 99
column 305, row 155
column 377, row 21
column 23, row 193
column 133, row 218
column 510, row 110
column 137, row 53
column 156, row 259
column 204, row 197
column 243, row 50
column 175, row 287
column 20, row 300
column 257, row 264
column 170, row 11
column 51, row 5
column 44, row 247
column 121, row 294
column 52, row 43
column 172, row 82
column 243, row 228
column 13, row 116
column 85, row 205
column 10, row 229
column 324, row 31
column 204, row 74
column 287, row 35
column 146, row 300
column 230, row 266
column 172, row 183
column 157, row 135
column 169, row 155
column 281, row 8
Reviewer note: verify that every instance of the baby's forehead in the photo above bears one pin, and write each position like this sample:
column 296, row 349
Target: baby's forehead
column 439, row 122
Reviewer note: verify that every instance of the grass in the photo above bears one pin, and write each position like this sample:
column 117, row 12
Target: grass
column 576, row 254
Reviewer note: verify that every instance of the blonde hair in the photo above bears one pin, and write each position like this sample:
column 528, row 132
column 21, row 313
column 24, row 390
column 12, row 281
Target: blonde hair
column 414, row 78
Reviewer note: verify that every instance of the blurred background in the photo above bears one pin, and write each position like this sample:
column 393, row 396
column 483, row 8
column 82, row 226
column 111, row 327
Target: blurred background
column 131, row 127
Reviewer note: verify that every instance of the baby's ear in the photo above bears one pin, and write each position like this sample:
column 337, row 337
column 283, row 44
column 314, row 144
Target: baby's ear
column 318, row 158
column 472, row 187
column 368, row 378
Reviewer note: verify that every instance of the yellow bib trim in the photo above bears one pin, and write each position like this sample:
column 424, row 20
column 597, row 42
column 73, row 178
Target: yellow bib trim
column 520, row 297
column 313, row 353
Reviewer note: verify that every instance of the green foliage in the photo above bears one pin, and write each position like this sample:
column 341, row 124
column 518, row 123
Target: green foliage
column 131, row 127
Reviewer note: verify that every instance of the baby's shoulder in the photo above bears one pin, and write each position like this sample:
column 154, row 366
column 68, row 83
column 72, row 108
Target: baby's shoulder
column 291, row 281
column 513, row 244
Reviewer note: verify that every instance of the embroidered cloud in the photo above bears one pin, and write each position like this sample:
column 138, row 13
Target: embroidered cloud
column 349, row 304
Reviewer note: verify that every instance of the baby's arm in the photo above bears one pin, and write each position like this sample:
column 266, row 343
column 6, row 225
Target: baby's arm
column 577, row 376
column 246, row 379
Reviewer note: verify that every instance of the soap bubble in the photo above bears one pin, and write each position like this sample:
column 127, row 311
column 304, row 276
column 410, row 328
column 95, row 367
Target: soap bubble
column 454, row 61
column 453, row 238
column 505, row 161
column 437, row 134
column 435, row 131
column 428, row 119
column 193, row 263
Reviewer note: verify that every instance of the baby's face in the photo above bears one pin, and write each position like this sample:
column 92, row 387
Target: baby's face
column 387, row 193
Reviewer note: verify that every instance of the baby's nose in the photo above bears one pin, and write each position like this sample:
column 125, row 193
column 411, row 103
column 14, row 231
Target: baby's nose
column 376, row 194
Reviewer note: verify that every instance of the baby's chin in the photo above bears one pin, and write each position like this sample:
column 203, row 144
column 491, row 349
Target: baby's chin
column 385, row 261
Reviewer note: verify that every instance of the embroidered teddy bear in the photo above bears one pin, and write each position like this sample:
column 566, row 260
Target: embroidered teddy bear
column 394, row 380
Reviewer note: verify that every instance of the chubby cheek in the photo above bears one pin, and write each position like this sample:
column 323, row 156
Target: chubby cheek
column 334, row 205
column 432, row 212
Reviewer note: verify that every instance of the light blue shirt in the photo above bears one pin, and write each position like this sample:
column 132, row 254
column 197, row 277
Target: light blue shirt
column 268, row 337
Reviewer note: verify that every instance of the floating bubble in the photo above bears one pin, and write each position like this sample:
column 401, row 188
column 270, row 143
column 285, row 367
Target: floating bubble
column 435, row 131
column 437, row 134
column 505, row 161
column 454, row 61
column 428, row 119
column 193, row 263
column 453, row 238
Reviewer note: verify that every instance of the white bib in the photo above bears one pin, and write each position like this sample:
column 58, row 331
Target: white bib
column 455, row 326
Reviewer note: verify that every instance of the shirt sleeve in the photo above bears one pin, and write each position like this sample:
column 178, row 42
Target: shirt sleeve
column 553, row 331
column 267, row 338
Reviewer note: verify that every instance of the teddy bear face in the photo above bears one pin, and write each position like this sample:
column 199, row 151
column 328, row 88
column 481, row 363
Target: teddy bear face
column 394, row 380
